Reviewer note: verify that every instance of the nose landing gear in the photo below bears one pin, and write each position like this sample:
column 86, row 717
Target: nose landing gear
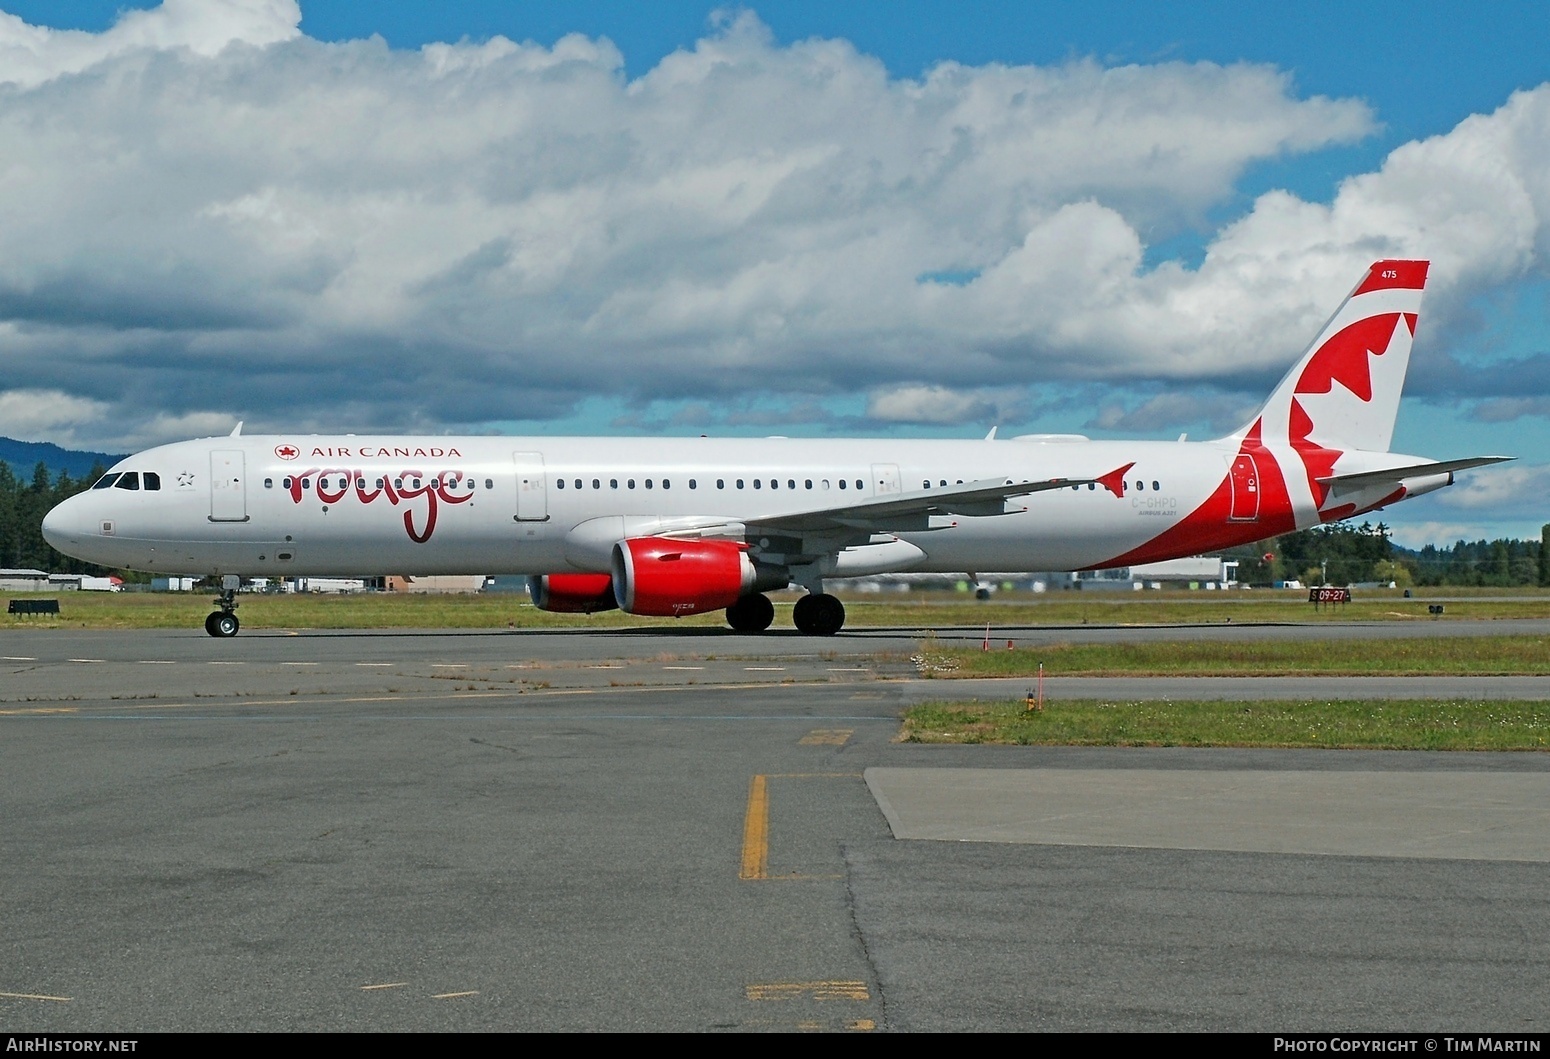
column 223, row 623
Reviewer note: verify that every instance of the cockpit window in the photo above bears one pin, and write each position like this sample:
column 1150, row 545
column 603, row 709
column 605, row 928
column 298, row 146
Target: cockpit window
column 152, row 480
column 128, row 480
column 106, row 481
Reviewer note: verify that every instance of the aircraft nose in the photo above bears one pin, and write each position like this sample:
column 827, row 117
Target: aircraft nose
column 61, row 527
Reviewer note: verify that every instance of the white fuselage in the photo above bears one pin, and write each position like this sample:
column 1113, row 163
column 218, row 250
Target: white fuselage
column 260, row 506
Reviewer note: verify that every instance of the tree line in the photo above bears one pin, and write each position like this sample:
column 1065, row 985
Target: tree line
column 1341, row 554
column 23, row 503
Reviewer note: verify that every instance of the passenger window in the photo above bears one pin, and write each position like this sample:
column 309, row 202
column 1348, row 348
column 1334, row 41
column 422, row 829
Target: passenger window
column 666, row 484
column 306, row 483
column 489, row 483
column 560, row 483
column 630, row 483
column 739, row 483
column 693, row 484
column 824, row 483
column 926, row 484
column 648, row 483
column 1155, row 486
column 809, row 483
column 757, row 484
column 129, row 480
column 268, row 483
column 774, row 483
column 578, row 483
column 613, row 483
column 360, row 483
column 106, row 481
column 1091, row 486
column 417, row 483
column 597, row 483
column 1140, row 486
column 842, row 483
column 858, row 484
column 721, row 483
column 944, row 483
column 398, row 483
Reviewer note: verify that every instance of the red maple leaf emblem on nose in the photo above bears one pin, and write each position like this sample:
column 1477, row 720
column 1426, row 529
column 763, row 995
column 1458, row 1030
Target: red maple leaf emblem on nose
column 287, row 452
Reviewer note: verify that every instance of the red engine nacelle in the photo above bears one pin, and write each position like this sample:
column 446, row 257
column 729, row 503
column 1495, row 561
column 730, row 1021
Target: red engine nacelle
column 572, row 593
column 656, row 575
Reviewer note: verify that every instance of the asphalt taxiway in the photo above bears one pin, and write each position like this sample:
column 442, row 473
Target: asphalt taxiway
column 694, row 830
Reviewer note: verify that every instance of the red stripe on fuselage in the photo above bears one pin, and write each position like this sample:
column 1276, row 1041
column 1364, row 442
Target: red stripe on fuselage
column 1208, row 526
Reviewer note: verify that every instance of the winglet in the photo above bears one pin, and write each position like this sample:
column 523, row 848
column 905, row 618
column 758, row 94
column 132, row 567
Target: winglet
column 1114, row 481
column 236, row 430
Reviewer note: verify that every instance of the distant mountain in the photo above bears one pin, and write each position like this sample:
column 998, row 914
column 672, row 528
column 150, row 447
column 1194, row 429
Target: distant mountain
column 23, row 456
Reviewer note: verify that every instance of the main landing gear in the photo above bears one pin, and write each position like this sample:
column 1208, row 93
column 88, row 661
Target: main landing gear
column 751, row 613
column 818, row 614
column 223, row 623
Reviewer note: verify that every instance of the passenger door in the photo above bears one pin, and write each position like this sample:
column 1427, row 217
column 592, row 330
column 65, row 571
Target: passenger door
column 228, row 486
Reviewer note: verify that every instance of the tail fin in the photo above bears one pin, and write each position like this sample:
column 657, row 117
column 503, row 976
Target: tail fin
column 1344, row 391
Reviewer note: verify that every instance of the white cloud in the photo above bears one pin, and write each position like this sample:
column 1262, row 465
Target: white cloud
column 935, row 405
column 1516, row 489
column 32, row 55
column 204, row 213
column 45, row 415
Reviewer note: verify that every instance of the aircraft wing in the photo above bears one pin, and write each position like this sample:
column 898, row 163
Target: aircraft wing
column 912, row 510
column 1396, row 475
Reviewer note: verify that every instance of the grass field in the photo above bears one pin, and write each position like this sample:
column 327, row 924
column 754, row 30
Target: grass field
column 1438, row 656
column 918, row 611
column 1376, row 724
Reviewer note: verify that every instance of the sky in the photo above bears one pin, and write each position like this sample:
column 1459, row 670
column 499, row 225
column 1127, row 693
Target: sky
column 905, row 218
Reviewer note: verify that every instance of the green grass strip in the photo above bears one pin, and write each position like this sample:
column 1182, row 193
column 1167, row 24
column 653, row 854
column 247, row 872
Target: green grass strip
column 1388, row 724
column 918, row 611
column 1420, row 656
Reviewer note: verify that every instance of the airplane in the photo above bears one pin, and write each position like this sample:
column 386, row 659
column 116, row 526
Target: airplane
column 676, row 526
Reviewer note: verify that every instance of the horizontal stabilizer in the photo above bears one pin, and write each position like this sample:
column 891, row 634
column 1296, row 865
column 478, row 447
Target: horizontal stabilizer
column 1414, row 470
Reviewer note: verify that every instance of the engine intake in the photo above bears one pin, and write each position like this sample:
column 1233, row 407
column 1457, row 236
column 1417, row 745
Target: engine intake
column 669, row 578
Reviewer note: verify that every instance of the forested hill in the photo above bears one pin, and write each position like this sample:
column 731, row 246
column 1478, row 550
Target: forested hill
column 23, row 456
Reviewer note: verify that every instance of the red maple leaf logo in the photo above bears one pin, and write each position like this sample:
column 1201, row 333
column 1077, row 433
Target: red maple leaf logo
column 287, row 452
